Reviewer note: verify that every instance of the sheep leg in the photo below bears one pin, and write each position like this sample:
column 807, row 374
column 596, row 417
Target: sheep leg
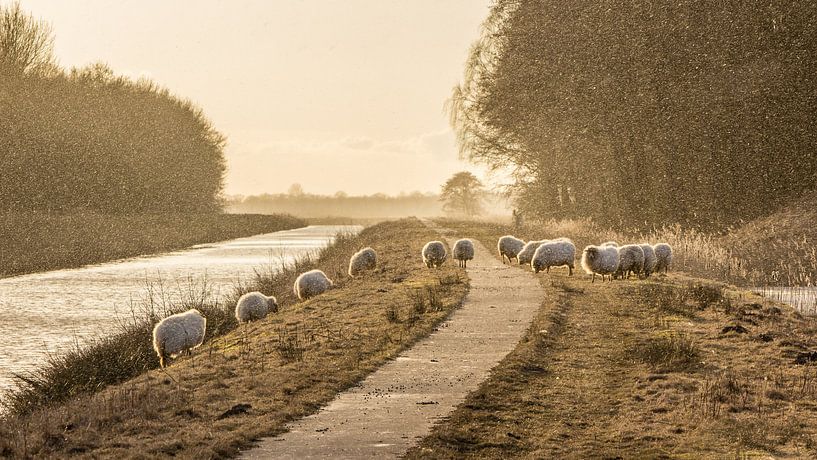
column 569, row 271
column 547, row 270
column 593, row 280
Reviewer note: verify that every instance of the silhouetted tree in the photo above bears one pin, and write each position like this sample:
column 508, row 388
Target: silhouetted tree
column 463, row 194
column 26, row 44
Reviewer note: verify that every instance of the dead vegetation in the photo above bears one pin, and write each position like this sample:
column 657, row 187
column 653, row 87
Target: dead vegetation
column 249, row 382
column 669, row 367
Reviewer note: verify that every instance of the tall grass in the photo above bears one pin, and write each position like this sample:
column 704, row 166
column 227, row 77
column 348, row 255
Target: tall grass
column 128, row 352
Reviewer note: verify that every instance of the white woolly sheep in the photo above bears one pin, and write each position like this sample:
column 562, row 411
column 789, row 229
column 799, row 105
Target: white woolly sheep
column 649, row 259
column 254, row 305
column 630, row 260
column 434, row 254
column 311, row 283
column 554, row 253
column 663, row 257
column 509, row 246
column 178, row 333
column 600, row 260
column 365, row 259
column 525, row 256
column 463, row 251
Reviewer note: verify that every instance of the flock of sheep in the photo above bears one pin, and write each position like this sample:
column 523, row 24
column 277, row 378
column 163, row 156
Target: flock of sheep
column 184, row 331
column 606, row 259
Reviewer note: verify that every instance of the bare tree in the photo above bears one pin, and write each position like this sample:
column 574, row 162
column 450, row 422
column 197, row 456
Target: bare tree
column 463, row 194
column 26, row 43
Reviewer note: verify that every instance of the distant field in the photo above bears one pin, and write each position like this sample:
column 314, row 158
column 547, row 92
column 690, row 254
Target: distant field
column 32, row 242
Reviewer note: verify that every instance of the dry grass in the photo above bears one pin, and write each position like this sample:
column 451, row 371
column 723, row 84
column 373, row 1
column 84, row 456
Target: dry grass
column 35, row 242
column 249, row 382
column 671, row 367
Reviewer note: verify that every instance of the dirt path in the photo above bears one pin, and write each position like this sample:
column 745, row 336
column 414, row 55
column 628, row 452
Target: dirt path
column 398, row 404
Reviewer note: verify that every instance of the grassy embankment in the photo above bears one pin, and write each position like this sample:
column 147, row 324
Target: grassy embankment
column 673, row 366
column 245, row 381
column 35, row 242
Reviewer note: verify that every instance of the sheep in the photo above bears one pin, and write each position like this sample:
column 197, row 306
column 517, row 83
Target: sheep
column 365, row 259
column 311, row 283
column 601, row 260
column 649, row 259
column 509, row 246
column 554, row 253
column 463, row 251
column 178, row 333
column 254, row 305
column 525, row 256
column 630, row 260
column 434, row 254
column 663, row 257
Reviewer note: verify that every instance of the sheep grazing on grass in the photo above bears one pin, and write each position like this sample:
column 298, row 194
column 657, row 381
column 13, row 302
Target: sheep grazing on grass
column 254, row 305
column 365, row 259
column 178, row 333
column 554, row 253
column 630, row 261
column 525, row 256
column 311, row 283
column 649, row 259
column 434, row 254
column 600, row 260
column 463, row 251
column 663, row 257
column 509, row 246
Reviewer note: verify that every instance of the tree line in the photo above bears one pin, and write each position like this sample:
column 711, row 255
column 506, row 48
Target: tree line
column 86, row 139
column 644, row 112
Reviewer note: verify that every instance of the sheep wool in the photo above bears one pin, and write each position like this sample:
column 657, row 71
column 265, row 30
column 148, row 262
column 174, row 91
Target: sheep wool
column 609, row 243
column 253, row 306
column 311, row 283
column 365, row 259
column 434, row 254
column 554, row 253
column 525, row 256
column 600, row 260
column 630, row 260
column 463, row 251
column 663, row 257
column 649, row 259
column 509, row 246
column 178, row 333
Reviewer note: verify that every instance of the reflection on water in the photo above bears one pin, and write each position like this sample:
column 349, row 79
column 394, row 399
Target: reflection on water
column 45, row 312
column 804, row 299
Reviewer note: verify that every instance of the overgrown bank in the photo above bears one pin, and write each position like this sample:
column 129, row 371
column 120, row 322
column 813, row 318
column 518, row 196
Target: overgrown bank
column 250, row 381
column 34, row 241
column 670, row 367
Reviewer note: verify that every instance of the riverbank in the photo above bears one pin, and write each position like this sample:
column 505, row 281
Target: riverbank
column 35, row 242
column 247, row 382
column 673, row 366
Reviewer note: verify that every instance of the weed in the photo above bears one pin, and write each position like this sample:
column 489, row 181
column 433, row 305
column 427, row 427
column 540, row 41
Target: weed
column 291, row 344
column 391, row 314
column 668, row 352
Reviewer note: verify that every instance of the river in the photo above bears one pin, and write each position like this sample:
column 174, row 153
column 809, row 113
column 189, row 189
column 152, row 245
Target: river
column 46, row 312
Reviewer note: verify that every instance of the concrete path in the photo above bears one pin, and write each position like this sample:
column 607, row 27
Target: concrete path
column 397, row 405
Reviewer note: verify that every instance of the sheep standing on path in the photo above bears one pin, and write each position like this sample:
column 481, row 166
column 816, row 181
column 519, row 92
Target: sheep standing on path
column 509, row 246
column 463, row 252
column 600, row 260
column 178, row 333
column 525, row 256
column 554, row 253
column 254, row 305
column 365, row 259
column 663, row 257
column 311, row 283
column 434, row 254
column 649, row 259
column 630, row 260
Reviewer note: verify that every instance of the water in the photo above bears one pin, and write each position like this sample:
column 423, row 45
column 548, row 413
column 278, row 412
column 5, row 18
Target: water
column 804, row 299
column 47, row 312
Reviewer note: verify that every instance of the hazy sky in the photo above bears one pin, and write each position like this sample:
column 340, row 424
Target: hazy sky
column 335, row 95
